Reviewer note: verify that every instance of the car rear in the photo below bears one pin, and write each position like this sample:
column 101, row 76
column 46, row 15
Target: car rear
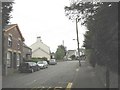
column 52, row 62
column 24, row 67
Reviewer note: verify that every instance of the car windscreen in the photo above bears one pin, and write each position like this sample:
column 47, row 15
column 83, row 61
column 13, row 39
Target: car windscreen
column 40, row 62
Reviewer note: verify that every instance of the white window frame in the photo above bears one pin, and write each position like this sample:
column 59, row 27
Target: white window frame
column 18, row 45
column 10, row 40
column 9, row 57
column 18, row 60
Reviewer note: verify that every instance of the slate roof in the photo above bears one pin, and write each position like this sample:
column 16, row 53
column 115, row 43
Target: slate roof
column 9, row 27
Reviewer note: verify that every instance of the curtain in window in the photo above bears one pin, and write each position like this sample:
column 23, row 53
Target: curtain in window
column 10, row 41
column 9, row 57
column 18, row 60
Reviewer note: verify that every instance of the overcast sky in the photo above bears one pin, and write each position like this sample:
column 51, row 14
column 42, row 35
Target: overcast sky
column 46, row 18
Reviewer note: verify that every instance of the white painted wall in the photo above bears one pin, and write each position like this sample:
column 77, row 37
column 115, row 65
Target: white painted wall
column 40, row 54
column 39, row 49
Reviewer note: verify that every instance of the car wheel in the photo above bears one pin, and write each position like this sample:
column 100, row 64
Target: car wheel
column 32, row 70
column 44, row 67
column 38, row 69
column 21, row 71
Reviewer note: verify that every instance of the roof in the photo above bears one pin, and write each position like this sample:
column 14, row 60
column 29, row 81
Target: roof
column 9, row 27
column 71, row 50
column 26, row 46
column 39, row 44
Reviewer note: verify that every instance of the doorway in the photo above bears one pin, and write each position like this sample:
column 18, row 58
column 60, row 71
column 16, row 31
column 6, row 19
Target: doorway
column 14, row 60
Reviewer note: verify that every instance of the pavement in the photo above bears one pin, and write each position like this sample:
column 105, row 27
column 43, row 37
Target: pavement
column 65, row 74
column 86, row 78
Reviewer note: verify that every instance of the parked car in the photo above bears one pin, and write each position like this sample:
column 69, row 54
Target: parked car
column 52, row 62
column 28, row 67
column 69, row 59
column 42, row 64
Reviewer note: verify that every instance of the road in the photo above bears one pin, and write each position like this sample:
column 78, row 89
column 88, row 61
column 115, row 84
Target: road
column 65, row 74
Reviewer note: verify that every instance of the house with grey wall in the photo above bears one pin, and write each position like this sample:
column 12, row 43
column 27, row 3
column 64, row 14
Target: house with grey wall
column 27, row 52
column 12, row 49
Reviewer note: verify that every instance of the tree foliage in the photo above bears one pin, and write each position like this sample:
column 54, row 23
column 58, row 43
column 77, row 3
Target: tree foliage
column 60, row 52
column 6, row 10
column 101, row 19
column 73, row 57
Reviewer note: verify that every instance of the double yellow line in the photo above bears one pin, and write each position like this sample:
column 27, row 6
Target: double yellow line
column 69, row 86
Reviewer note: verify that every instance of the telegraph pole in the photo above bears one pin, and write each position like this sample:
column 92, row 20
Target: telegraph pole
column 78, row 42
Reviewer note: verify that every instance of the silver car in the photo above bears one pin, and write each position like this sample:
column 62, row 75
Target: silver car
column 52, row 62
column 42, row 64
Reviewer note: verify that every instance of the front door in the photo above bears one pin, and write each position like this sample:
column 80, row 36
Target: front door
column 14, row 60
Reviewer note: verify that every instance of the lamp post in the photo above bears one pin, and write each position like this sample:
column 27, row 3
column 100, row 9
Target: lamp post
column 78, row 42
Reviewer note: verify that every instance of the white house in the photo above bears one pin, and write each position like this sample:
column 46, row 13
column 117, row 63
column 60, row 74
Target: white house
column 39, row 49
column 70, row 53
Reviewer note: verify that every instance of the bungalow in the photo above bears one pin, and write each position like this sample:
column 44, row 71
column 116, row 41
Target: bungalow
column 12, row 49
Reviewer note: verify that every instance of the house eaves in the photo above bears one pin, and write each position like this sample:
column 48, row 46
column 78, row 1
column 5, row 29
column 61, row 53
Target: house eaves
column 9, row 27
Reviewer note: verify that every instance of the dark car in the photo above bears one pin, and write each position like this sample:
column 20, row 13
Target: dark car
column 28, row 67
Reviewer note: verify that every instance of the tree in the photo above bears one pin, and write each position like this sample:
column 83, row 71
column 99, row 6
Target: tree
column 101, row 19
column 73, row 57
column 60, row 52
column 6, row 10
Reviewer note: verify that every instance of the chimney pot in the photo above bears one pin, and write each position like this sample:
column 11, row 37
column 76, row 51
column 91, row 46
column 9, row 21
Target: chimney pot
column 39, row 38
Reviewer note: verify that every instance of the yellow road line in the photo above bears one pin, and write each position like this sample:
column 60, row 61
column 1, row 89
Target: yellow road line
column 57, row 88
column 69, row 86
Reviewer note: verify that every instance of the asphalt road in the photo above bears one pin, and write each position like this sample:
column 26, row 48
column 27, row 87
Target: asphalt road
column 65, row 74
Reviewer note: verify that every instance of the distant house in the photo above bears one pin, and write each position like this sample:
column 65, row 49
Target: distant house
column 70, row 53
column 12, row 49
column 82, row 51
column 52, row 55
column 40, row 50
column 27, row 52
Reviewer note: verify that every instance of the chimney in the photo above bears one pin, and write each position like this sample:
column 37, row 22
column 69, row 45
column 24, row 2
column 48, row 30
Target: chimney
column 39, row 39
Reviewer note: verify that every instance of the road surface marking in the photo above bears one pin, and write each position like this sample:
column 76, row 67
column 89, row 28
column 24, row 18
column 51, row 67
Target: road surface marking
column 31, row 82
column 69, row 86
column 48, row 88
column 43, row 87
column 57, row 88
column 77, row 69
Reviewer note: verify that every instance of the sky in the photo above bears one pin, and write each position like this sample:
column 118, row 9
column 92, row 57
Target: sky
column 46, row 18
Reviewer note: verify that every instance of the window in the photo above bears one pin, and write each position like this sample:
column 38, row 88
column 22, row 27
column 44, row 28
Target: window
column 18, row 60
column 9, row 57
column 18, row 45
column 10, row 41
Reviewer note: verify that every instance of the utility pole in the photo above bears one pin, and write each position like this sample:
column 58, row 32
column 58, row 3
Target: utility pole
column 78, row 42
